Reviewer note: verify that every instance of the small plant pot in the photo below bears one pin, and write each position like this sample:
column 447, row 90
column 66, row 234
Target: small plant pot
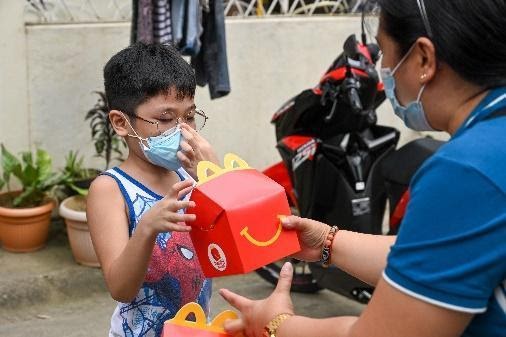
column 25, row 229
column 73, row 210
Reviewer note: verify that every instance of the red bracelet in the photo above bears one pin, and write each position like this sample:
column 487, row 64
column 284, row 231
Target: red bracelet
column 327, row 246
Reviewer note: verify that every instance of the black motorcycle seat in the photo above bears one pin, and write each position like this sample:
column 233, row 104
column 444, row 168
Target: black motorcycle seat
column 400, row 165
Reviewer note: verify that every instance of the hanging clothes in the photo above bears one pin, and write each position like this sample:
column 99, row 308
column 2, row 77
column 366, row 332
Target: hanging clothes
column 162, row 22
column 195, row 27
column 211, row 65
column 142, row 21
column 177, row 14
column 187, row 26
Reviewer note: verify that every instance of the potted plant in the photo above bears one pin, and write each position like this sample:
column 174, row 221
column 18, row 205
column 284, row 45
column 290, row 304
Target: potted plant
column 25, row 214
column 75, row 182
column 75, row 177
column 78, row 179
column 105, row 139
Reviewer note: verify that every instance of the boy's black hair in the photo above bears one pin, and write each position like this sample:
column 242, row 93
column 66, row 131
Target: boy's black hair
column 469, row 36
column 142, row 71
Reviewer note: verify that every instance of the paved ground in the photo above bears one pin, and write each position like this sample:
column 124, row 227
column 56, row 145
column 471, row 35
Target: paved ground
column 47, row 294
column 90, row 316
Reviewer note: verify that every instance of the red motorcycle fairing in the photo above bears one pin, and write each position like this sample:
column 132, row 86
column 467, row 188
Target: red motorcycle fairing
column 279, row 173
column 399, row 211
column 305, row 148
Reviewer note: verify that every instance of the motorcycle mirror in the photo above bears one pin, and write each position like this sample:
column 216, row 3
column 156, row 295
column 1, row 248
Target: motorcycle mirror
column 350, row 47
column 374, row 50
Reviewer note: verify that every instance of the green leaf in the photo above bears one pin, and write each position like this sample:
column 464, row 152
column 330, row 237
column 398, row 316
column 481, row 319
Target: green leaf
column 29, row 197
column 43, row 164
column 98, row 113
column 98, row 123
column 97, row 133
column 37, row 178
column 101, row 145
column 10, row 165
column 102, row 133
column 6, row 177
column 27, row 157
column 73, row 166
column 70, row 159
column 29, row 176
column 90, row 114
column 52, row 180
column 80, row 191
column 98, row 126
column 2, row 184
column 102, row 97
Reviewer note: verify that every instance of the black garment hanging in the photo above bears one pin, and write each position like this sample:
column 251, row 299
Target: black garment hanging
column 142, row 21
column 211, row 66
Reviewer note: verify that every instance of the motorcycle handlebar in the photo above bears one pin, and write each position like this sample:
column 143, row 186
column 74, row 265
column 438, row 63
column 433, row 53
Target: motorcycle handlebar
column 349, row 91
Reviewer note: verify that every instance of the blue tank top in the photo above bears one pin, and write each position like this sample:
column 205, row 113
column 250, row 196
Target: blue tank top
column 174, row 276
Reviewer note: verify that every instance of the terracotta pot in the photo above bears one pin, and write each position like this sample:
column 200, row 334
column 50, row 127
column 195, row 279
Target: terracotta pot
column 25, row 229
column 78, row 232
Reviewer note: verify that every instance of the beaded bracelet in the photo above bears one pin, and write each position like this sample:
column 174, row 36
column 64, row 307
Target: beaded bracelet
column 327, row 246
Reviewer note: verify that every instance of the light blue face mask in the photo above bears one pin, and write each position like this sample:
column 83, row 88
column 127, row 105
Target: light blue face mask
column 161, row 150
column 412, row 114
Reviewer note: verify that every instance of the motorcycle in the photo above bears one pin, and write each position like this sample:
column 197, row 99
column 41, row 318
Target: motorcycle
column 339, row 166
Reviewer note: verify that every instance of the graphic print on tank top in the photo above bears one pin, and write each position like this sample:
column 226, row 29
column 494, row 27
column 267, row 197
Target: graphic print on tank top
column 173, row 278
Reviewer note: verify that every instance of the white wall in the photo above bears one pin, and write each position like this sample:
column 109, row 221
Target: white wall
column 14, row 119
column 270, row 60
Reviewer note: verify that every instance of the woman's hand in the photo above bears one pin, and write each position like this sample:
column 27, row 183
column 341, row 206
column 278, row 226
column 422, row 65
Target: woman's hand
column 164, row 216
column 255, row 315
column 312, row 235
column 194, row 148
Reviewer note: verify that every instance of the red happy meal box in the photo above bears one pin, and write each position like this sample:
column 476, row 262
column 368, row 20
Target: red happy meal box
column 238, row 227
column 180, row 327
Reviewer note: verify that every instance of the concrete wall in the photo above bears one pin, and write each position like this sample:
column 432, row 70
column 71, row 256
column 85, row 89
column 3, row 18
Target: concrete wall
column 14, row 118
column 270, row 60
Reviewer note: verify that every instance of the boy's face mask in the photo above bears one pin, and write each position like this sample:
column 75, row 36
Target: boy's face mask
column 161, row 150
column 412, row 114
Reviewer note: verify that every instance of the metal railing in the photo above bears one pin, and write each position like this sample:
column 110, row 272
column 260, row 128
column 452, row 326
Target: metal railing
column 76, row 11
column 243, row 8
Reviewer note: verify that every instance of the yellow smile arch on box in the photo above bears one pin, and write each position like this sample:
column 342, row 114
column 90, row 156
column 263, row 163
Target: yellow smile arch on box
column 252, row 240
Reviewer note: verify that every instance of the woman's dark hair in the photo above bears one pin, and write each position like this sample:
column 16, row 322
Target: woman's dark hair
column 142, row 71
column 469, row 36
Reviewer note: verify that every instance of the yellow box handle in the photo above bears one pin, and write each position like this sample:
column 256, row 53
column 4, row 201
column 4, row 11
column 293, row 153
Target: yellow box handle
column 231, row 162
column 200, row 318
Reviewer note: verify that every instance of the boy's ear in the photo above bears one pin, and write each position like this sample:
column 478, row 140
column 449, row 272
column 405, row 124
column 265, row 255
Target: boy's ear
column 119, row 123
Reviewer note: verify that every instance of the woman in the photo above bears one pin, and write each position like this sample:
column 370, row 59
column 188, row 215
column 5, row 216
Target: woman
column 444, row 68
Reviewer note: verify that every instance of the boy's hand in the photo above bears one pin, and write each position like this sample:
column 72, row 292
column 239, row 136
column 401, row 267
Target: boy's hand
column 164, row 216
column 194, row 148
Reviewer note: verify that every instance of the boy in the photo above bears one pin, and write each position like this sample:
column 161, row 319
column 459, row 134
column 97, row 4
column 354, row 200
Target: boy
column 135, row 211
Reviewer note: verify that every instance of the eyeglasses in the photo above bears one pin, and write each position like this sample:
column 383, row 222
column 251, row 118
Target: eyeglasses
column 196, row 119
